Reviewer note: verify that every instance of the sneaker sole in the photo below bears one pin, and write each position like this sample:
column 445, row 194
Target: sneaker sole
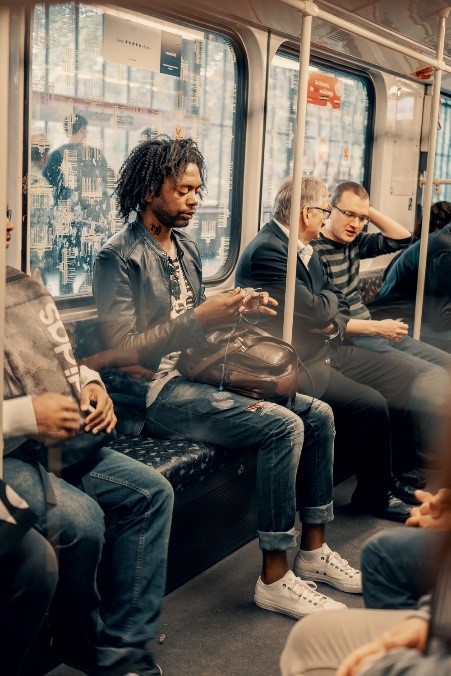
column 291, row 613
column 337, row 584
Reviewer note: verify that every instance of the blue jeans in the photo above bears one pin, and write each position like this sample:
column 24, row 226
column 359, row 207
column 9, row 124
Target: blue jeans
column 441, row 339
column 112, row 555
column 397, row 566
column 431, row 388
column 29, row 576
column 193, row 410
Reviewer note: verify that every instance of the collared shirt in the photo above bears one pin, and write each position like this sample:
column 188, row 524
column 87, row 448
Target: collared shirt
column 305, row 251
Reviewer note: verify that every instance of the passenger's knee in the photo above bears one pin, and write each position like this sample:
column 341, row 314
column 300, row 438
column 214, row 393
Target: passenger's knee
column 431, row 388
column 380, row 545
column 155, row 491
column 165, row 492
column 80, row 519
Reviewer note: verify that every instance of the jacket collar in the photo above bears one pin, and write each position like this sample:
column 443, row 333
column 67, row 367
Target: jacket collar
column 277, row 230
column 152, row 242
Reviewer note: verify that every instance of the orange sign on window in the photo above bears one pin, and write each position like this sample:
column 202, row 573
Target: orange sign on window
column 324, row 90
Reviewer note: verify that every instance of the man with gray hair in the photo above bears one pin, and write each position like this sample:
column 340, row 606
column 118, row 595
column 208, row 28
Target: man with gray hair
column 369, row 394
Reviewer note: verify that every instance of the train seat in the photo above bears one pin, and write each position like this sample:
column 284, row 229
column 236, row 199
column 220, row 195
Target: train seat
column 214, row 508
column 370, row 283
column 214, row 487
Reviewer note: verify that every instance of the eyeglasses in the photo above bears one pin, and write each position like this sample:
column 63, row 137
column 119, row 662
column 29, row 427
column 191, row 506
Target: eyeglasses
column 174, row 285
column 363, row 220
column 326, row 212
column 9, row 214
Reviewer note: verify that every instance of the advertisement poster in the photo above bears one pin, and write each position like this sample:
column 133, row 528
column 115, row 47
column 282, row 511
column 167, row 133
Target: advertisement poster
column 140, row 46
column 324, row 90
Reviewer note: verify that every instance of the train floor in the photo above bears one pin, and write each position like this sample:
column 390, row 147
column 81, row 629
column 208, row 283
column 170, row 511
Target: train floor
column 211, row 627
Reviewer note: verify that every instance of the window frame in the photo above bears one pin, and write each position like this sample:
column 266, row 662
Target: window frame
column 290, row 51
column 75, row 302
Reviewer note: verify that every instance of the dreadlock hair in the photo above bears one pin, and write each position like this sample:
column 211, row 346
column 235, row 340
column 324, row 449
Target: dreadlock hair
column 148, row 165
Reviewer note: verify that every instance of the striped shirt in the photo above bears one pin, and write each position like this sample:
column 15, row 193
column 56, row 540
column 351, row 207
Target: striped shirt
column 342, row 263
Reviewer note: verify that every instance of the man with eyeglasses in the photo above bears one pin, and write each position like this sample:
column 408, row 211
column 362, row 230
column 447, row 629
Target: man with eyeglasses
column 341, row 245
column 369, row 395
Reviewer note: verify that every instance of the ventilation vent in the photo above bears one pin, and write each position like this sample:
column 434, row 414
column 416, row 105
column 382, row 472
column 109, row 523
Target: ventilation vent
column 337, row 36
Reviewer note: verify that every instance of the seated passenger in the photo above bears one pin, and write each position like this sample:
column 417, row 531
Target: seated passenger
column 28, row 570
column 396, row 563
column 406, row 634
column 397, row 295
column 440, row 215
column 369, row 394
column 341, row 245
column 148, row 290
column 112, row 547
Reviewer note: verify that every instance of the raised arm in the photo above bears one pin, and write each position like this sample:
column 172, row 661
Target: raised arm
column 387, row 225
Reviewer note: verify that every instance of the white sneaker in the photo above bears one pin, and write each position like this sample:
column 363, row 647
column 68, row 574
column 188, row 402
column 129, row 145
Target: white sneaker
column 330, row 568
column 292, row 596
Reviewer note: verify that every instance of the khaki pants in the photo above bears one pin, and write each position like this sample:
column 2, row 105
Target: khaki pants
column 318, row 644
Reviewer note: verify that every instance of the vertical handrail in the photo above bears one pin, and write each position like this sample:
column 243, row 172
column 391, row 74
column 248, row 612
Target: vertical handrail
column 298, row 166
column 4, row 96
column 308, row 10
column 427, row 199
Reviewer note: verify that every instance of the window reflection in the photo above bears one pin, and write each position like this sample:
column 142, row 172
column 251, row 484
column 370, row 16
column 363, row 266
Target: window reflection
column 336, row 126
column 92, row 112
column 442, row 167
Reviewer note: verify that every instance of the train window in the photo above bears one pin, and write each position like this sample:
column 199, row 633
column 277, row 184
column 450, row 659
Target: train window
column 102, row 80
column 337, row 126
column 442, row 151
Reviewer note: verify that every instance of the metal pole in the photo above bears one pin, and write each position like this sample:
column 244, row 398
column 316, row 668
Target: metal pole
column 436, row 181
column 306, row 37
column 427, row 199
column 4, row 93
column 368, row 34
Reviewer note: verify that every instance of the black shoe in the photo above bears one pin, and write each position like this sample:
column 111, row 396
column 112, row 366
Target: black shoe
column 393, row 509
column 390, row 508
column 145, row 666
column 413, row 478
column 404, row 492
column 148, row 667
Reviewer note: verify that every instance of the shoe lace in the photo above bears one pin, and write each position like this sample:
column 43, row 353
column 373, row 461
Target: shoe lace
column 305, row 589
column 334, row 559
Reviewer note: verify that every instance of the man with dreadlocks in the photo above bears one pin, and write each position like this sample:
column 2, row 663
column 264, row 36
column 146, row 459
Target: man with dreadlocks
column 149, row 295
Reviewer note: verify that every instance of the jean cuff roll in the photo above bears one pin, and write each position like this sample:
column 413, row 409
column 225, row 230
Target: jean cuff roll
column 278, row 541
column 316, row 515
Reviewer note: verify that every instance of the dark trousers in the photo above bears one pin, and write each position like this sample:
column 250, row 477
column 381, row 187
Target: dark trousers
column 370, row 396
column 29, row 576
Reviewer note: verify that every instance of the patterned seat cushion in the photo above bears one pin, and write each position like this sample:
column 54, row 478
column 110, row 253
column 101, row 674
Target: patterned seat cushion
column 183, row 462
column 370, row 283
